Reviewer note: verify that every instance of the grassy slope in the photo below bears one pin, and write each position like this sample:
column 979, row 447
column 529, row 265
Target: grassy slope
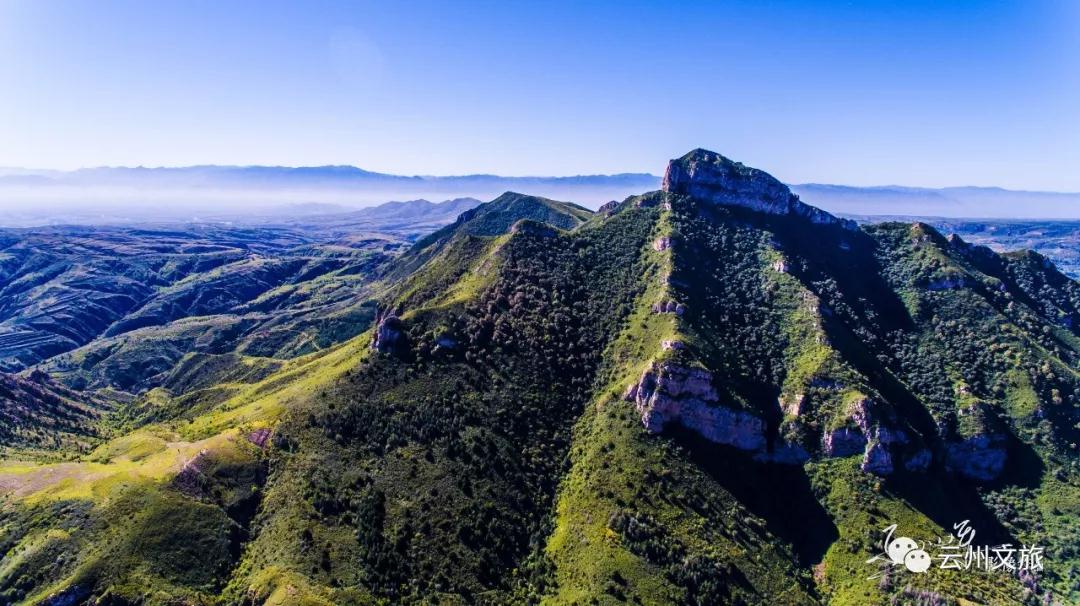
column 121, row 522
column 634, row 507
column 470, row 475
column 451, row 465
column 841, row 509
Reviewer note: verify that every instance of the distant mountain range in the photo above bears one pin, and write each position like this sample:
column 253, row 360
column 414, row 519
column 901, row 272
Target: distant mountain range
column 124, row 194
column 712, row 393
column 120, row 194
column 304, row 176
column 954, row 202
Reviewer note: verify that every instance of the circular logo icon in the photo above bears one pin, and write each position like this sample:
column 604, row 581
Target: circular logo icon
column 899, row 547
column 917, row 560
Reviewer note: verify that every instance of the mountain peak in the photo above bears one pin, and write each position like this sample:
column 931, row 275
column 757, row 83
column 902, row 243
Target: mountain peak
column 712, row 177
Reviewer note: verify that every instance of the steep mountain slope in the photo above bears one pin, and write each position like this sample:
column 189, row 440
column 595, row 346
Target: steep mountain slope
column 707, row 394
column 38, row 414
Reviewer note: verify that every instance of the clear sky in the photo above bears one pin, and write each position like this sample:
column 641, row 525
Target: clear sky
column 913, row 92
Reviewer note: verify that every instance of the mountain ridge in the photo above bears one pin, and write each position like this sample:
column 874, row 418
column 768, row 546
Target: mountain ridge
column 557, row 406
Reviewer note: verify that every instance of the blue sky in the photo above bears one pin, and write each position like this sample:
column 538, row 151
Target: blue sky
column 875, row 92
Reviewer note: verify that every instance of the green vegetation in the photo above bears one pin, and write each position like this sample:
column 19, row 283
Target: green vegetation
column 486, row 451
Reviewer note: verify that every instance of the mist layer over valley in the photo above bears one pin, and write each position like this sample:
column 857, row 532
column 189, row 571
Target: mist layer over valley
column 248, row 194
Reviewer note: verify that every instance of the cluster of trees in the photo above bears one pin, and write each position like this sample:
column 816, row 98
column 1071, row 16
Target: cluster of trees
column 459, row 451
column 703, row 579
column 718, row 270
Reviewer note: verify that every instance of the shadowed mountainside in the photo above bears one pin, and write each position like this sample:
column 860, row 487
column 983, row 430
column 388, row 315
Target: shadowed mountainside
column 712, row 393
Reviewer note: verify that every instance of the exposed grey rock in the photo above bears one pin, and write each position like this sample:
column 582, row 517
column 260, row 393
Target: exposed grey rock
column 980, row 450
column 669, row 307
column 76, row 594
column 844, row 442
column 874, row 433
column 669, row 393
column 710, row 177
column 672, row 344
column 662, row 243
column 877, row 459
column 780, row 266
column 190, row 479
column 388, row 335
column 260, row 437
column 794, row 404
column 608, row 207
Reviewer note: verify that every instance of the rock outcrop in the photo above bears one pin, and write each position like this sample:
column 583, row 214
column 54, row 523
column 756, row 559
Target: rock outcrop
column 669, row 393
column 871, row 430
column 710, row 177
column 672, row 344
column 792, row 404
column 72, row 596
column 388, row 333
column 260, row 437
column 608, row 208
column 844, row 442
column 669, row 307
column 877, row 459
column 190, row 479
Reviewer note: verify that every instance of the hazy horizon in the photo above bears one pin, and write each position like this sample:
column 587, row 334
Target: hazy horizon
column 31, row 198
column 18, row 171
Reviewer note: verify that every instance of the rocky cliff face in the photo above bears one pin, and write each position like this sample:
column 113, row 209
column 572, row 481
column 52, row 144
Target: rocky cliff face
column 708, row 176
column 388, row 335
column 873, row 430
column 667, row 306
column 669, row 393
column 844, row 442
